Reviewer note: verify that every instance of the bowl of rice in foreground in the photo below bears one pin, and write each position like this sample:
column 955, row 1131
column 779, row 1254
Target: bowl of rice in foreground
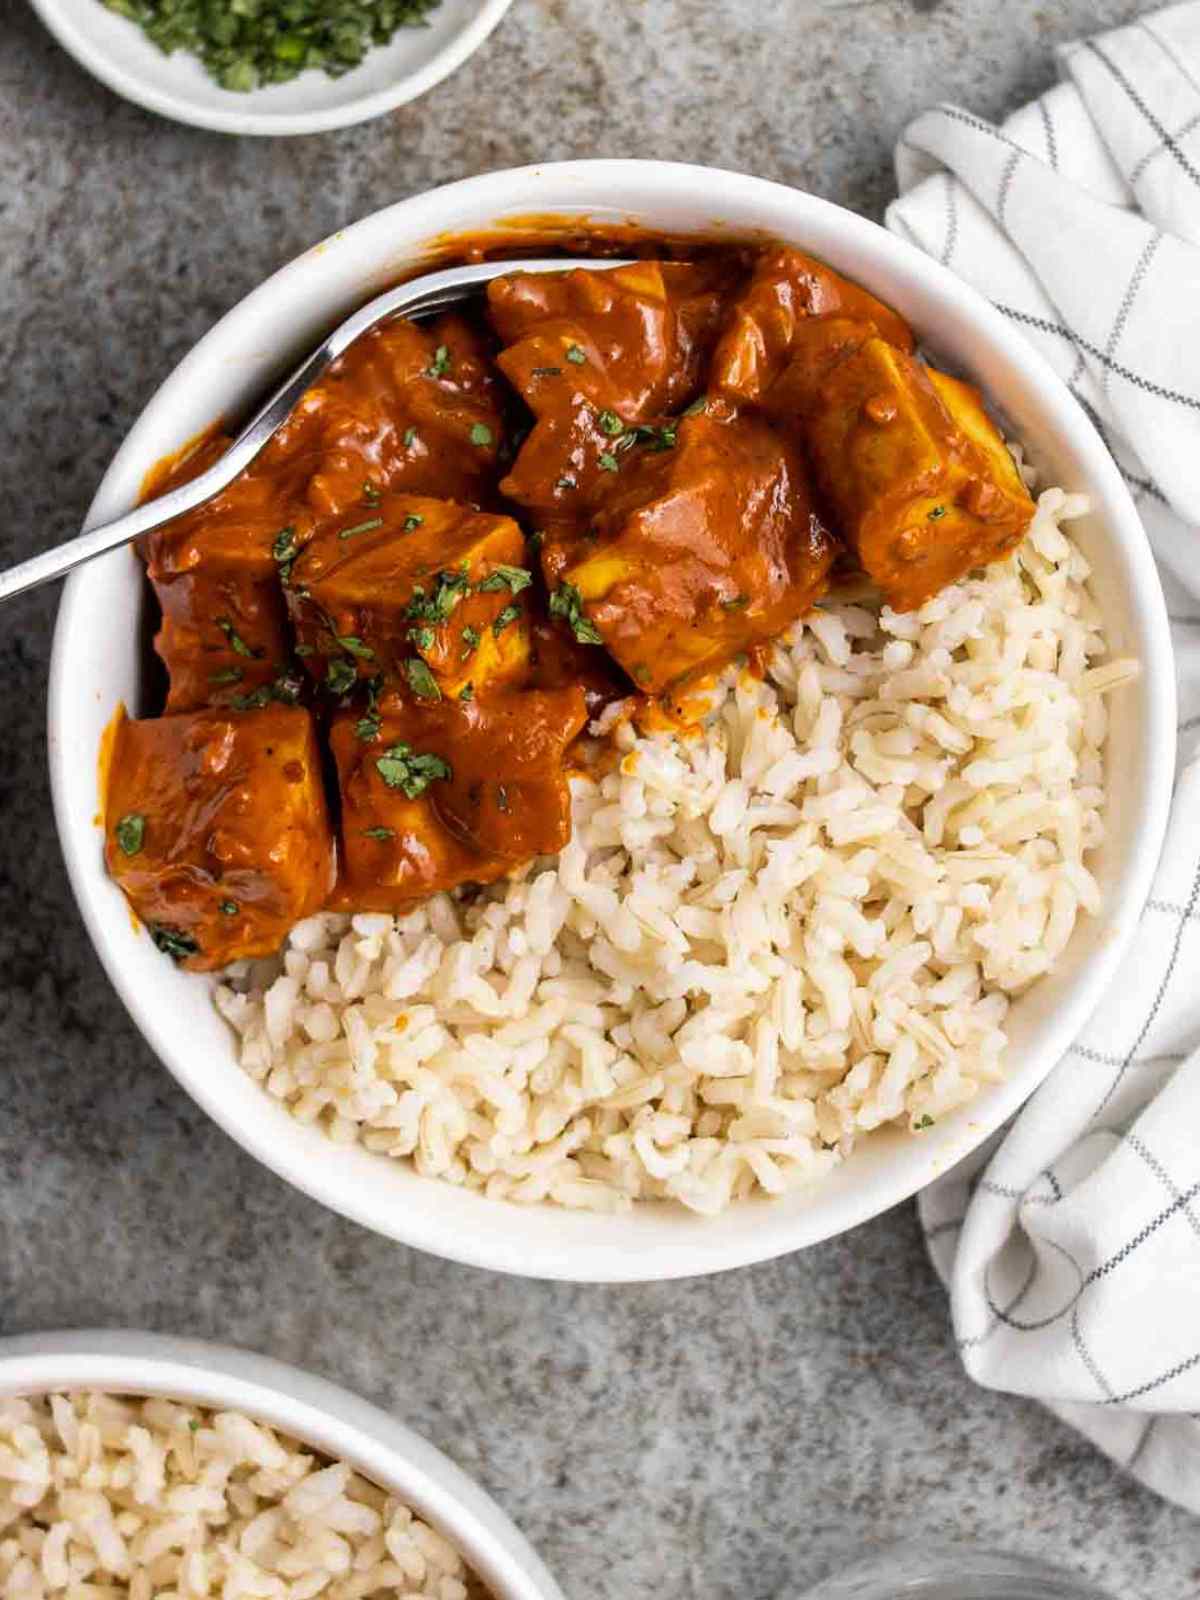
column 142, row 1464
column 785, row 974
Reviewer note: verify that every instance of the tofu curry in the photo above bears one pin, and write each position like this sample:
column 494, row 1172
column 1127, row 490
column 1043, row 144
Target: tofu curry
column 384, row 640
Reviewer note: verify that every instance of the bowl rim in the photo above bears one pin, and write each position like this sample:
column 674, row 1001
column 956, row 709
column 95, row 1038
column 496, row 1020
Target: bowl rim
column 768, row 1232
column 240, row 119
column 309, row 1408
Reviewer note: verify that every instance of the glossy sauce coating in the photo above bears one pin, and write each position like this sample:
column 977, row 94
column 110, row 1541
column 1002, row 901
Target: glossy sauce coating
column 384, row 638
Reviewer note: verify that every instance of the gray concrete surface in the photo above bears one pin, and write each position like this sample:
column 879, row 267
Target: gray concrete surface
column 735, row 1437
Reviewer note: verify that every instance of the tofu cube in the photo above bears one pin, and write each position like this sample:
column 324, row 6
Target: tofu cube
column 216, row 829
column 921, row 494
column 709, row 547
column 423, row 593
column 451, row 793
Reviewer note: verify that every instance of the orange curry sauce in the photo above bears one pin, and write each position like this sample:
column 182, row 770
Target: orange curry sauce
column 385, row 639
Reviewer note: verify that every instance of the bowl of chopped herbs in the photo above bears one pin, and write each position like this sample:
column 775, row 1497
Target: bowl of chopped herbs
column 271, row 66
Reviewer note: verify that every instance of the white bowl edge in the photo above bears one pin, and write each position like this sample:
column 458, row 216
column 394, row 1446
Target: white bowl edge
column 232, row 365
column 298, row 1403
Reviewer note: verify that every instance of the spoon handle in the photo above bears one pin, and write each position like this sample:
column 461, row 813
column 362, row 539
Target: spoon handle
column 436, row 291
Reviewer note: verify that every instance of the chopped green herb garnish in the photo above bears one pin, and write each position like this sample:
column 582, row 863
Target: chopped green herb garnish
column 641, row 673
column 226, row 675
column 287, row 687
column 697, row 407
column 565, row 483
column 380, row 833
column 575, row 354
column 174, row 942
column 656, row 439
column 340, row 676
column 194, row 1425
column 566, row 602
column 509, row 614
column 440, row 364
column 236, row 642
column 467, row 692
column 470, row 637
column 304, row 650
column 449, row 588
column 937, row 514
column 610, row 423
column 502, row 577
column 367, row 726
column 353, row 646
column 402, row 768
column 481, row 434
column 922, row 1123
column 228, row 908
column 608, row 462
column 131, row 832
column 536, row 540
column 502, row 798
column 284, row 547
column 254, row 701
column 370, row 493
column 738, row 603
column 244, row 46
column 424, row 638
column 360, row 527
column 412, row 522
column 420, row 680
column 410, row 437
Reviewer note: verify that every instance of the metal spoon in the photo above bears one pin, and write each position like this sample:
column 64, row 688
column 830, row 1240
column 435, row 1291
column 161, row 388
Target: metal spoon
column 421, row 297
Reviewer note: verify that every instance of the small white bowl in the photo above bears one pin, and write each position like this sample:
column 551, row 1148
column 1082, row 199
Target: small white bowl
column 317, row 1413
column 117, row 52
column 98, row 662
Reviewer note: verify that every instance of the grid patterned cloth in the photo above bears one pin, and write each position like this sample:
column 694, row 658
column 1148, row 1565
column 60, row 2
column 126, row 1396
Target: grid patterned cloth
column 1071, row 1244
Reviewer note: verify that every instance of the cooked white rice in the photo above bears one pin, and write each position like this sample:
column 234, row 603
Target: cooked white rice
column 153, row 1500
column 760, row 943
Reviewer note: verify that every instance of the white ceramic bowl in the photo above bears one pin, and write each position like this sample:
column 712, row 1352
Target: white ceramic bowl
column 98, row 662
column 117, row 52
column 317, row 1413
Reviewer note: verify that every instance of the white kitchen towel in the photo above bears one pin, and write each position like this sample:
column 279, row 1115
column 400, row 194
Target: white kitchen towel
column 1071, row 1244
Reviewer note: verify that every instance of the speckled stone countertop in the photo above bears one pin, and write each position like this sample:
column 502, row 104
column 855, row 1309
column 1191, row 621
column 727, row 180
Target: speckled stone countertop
column 730, row 1437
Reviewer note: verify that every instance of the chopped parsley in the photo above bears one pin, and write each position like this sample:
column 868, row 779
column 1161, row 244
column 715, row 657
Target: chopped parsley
column 353, row 646
column 130, row 832
column 509, row 614
column 380, row 833
column 402, row 768
column 738, row 603
column 340, row 676
column 226, row 675
column 576, row 355
column 410, row 437
column 514, row 578
column 565, row 483
column 174, row 942
column 655, row 439
column 566, row 602
column 937, row 514
column 304, row 650
column 440, row 365
column 254, row 701
column 608, row 462
column 697, row 407
column 228, row 908
column 641, row 673
column 610, row 423
column 243, row 46
column 367, row 726
column 360, row 527
column 481, row 434
column 467, row 692
column 423, row 637
column 236, row 642
column 285, row 550
column 449, row 588
column 922, row 1123
column 370, row 493
column 412, row 522
column 420, row 680
column 470, row 637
